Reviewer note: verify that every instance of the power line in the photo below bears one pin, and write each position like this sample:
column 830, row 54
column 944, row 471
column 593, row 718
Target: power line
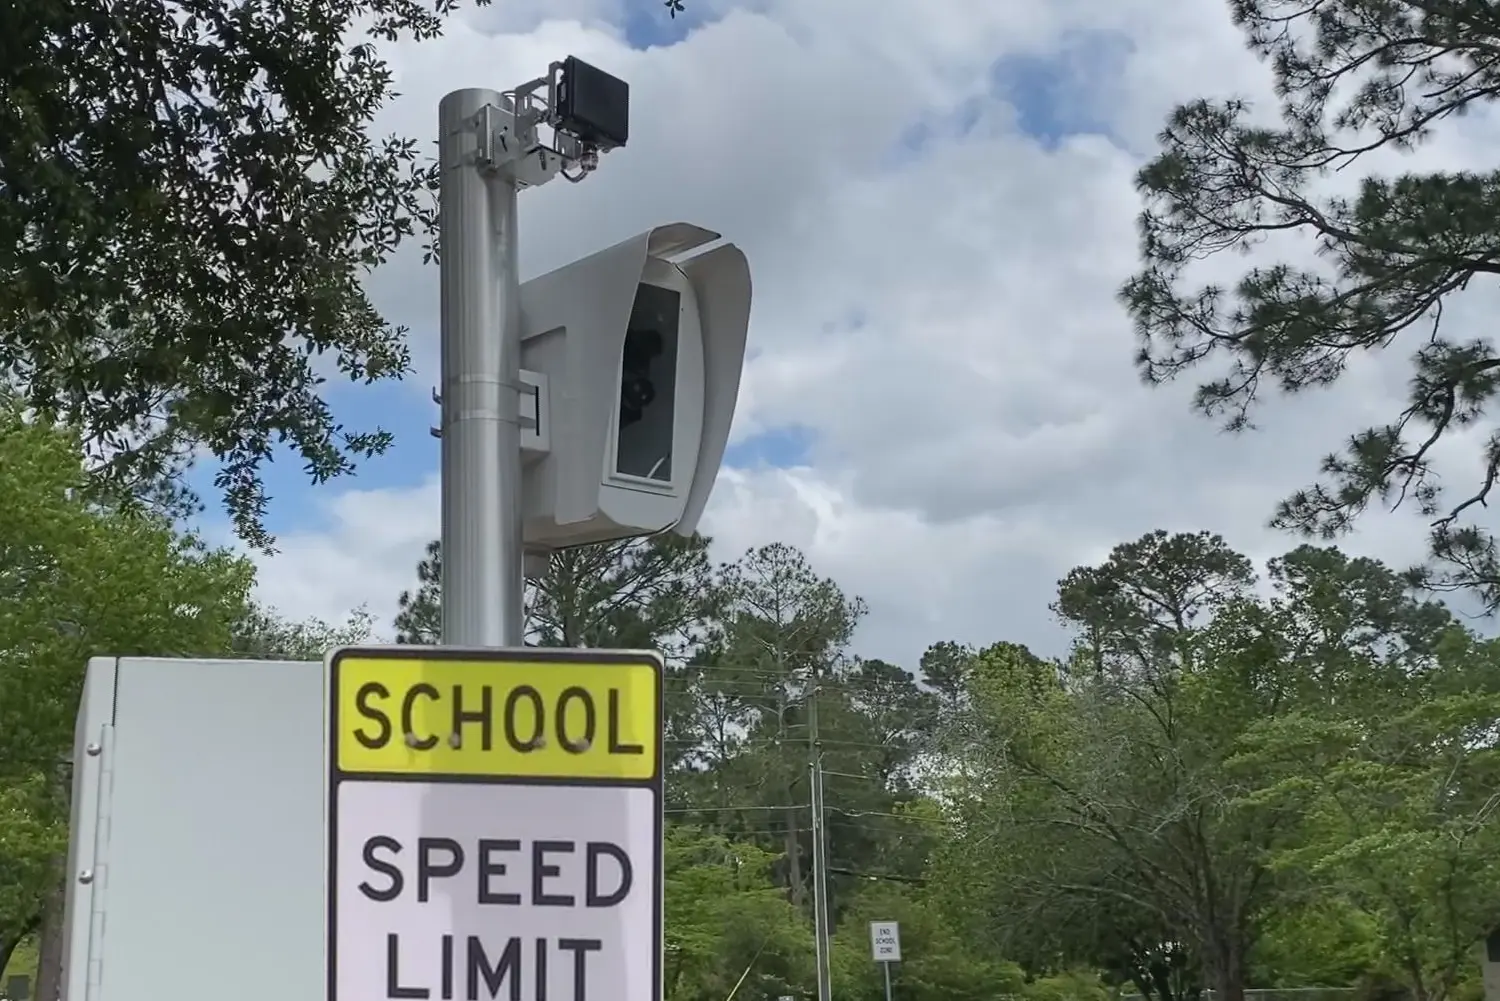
column 745, row 806
column 836, row 682
column 890, row 876
column 897, row 816
column 775, row 741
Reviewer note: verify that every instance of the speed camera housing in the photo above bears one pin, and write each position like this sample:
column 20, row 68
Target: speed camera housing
column 641, row 347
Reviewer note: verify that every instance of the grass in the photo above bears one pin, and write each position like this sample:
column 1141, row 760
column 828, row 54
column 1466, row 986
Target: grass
column 22, row 963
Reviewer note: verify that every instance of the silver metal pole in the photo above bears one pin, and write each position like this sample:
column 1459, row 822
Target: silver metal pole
column 821, row 929
column 481, row 355
column 887, row 967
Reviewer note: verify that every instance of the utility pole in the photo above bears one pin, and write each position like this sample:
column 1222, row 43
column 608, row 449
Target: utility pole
column 821, row 929
column 483, row 576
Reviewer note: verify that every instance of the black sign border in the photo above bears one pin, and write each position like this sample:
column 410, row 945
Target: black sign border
column 487, row 655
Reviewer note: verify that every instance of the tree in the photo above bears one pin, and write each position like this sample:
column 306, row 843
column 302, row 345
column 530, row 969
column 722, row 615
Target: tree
column 730, row 931
column 945, row 669
column 1135, row 611
column 781, row 632
column 875, row 725
column 78, row 578
column 263, row 634
column 1323, row 941
column 641, row 593
column 194, row 200
column 1353, row 77
column 32, row 835
column 420, row 615
column 1217, row 766
column 1102, row 788
column 775, row 658
column 889, row 715
column 940, row 960
column 1019, row 874
column 1399, row 819
column 644, row 593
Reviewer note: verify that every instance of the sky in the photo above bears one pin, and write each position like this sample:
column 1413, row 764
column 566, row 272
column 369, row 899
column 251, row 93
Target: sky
column 940, row 407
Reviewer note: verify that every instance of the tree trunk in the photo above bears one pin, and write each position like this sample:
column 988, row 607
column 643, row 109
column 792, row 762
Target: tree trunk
column 49, row 965
column 1227, row 970
column 1145, row 986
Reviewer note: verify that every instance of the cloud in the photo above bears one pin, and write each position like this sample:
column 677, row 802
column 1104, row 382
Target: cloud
column 938, row 205
column 356, row 547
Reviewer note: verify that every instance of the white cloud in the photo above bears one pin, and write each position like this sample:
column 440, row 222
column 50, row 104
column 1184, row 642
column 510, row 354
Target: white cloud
column 942, row 318
column 360, row 547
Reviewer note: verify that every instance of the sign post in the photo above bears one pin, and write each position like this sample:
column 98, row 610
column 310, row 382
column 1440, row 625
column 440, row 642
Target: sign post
column 885, row 948
column 495, row 824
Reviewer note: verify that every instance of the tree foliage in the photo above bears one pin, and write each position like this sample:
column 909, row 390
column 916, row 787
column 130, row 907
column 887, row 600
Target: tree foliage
column 1399, row 819
column 1382, row 259
column 33, row 833
column 263, row 634
column 1238, row 777
column 729, row 921
column 192, row 203
column 78, row 578
column 640, row 593
column 81, row 576
column 1218, row 764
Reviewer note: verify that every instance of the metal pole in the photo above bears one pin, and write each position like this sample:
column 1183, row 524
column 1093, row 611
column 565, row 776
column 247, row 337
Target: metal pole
column 480, row 392
column 820, row 852
column 887, row 967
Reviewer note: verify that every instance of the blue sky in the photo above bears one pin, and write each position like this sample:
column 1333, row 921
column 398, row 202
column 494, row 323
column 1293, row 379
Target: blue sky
column 1050, row 96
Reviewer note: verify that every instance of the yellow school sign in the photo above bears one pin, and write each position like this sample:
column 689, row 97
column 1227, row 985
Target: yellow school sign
column 494, row 819
column 534, row 713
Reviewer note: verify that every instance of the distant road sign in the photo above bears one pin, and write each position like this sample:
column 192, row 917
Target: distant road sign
column 494, row 825
column 885, row 941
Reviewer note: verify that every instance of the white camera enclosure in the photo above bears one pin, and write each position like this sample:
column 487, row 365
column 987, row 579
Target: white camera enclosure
column 641, row 346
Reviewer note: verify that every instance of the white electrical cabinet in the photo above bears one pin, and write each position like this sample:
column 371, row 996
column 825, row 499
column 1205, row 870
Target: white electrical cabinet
column 206, row 777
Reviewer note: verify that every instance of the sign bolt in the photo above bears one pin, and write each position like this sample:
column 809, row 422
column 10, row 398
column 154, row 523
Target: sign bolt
column 86, row 877
column 93, row 750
